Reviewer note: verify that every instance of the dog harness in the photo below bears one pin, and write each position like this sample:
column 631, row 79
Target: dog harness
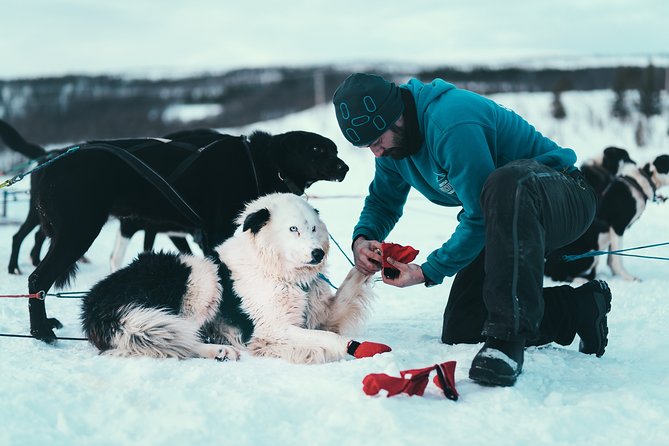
column 635, row 184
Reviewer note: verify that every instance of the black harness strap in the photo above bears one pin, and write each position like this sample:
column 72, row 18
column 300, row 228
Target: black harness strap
column 153, row 177
column 253, row 164
column 185, row 164
column 290, row 184
column 649, row 178
column 632, row 182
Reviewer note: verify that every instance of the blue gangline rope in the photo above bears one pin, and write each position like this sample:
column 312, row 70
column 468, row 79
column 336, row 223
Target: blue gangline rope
column 20, row 176
column 569, row 258
column 341, row 250
column 322, row 276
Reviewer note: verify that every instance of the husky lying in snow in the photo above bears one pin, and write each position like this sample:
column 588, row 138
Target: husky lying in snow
column 265, row 296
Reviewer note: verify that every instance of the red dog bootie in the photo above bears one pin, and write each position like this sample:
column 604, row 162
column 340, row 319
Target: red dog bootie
column 404, row 254
column 366, row 349
column 414, row 381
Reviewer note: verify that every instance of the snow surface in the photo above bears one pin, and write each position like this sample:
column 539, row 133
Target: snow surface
column 69, row 395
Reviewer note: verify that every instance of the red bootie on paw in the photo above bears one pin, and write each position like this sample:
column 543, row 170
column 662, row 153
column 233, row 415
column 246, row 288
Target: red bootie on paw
column 366, row 349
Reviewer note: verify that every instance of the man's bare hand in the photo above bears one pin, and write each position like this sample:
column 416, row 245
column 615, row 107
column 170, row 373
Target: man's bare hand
column 367, row 255
column 410, row 274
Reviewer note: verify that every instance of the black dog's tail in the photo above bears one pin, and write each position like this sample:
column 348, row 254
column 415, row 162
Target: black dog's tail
column 67, row 276
column 16, row 142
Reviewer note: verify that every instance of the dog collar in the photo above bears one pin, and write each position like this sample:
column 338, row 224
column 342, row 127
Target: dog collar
column 290, row 184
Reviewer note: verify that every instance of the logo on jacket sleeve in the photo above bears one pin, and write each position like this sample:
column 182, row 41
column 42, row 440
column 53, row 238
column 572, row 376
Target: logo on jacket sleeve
column 444, row 185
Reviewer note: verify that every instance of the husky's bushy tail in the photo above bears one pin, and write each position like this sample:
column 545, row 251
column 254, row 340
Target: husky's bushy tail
column 141, row 331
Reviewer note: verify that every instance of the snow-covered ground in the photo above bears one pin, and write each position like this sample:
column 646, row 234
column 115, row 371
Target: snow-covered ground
column 69, row 395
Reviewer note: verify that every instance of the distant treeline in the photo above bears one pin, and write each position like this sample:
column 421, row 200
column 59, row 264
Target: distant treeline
column 77, row 108
column 489, row 80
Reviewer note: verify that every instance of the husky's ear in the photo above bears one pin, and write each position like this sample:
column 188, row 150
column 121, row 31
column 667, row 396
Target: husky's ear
column 256, row 220
column 661, row 164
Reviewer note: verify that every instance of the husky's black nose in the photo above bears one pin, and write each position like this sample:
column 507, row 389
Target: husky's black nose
column 317, row 255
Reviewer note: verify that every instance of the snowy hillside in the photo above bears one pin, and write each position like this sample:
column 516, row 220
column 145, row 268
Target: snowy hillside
column 68, row 395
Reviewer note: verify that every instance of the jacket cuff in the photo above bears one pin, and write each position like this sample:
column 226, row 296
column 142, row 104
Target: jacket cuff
column 431, row 275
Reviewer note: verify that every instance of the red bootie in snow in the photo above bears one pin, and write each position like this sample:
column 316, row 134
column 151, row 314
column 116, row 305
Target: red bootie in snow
column 413, row 382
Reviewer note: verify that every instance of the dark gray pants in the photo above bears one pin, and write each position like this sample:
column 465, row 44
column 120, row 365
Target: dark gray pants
column 529, row 210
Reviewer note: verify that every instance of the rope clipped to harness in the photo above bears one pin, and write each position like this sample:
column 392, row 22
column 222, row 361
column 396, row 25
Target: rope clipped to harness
column 41, row 295
column 19, row 177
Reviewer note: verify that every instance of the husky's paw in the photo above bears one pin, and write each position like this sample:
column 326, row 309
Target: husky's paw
column 218, row 352
column 227, row 353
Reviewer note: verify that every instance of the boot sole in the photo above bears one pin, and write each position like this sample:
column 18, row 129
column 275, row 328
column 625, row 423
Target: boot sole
column 603, row 301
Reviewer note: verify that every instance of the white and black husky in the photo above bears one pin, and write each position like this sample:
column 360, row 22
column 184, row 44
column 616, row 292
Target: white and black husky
column 266, row 295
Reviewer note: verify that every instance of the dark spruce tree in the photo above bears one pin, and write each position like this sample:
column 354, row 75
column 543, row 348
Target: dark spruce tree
column 557, row 107
column 649, row 93
column 621, row 84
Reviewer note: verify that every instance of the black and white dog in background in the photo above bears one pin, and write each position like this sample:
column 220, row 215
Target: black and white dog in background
column 265, row 296
column 601, row 171
column 621, row 204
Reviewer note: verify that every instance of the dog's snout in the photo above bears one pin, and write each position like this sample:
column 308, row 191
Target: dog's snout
column 341, row 170
column 317, row 255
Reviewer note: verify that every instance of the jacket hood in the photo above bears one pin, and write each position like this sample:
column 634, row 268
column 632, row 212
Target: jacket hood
column 425, row 94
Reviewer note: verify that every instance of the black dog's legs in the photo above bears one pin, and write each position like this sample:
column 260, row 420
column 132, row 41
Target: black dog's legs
column 35, row 253
column 41, row 327
column 32, row 220
column 58, row 264
column 149, row 239
column 182, row 244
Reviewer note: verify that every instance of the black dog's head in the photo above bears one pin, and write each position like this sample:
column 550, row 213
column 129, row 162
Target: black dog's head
column 661, row 164
column 614, row 158
column 658, row 170
column 307, row 157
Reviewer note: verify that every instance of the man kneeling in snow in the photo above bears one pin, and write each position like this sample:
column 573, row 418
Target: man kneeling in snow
column 521, row 197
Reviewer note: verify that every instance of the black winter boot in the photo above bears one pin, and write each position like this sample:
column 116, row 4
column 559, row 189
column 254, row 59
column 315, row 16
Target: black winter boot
column 498, row 363
column 593, row 302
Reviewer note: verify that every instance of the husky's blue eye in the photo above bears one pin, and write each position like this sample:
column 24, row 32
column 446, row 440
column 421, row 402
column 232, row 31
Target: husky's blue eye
column 293, row 229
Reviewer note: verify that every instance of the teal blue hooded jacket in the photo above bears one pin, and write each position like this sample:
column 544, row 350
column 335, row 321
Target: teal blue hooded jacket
column 465, row 137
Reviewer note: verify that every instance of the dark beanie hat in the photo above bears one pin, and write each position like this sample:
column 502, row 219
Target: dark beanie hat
column 366, row 105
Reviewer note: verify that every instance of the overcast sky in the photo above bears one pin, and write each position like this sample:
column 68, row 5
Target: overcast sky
column 47, row 37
